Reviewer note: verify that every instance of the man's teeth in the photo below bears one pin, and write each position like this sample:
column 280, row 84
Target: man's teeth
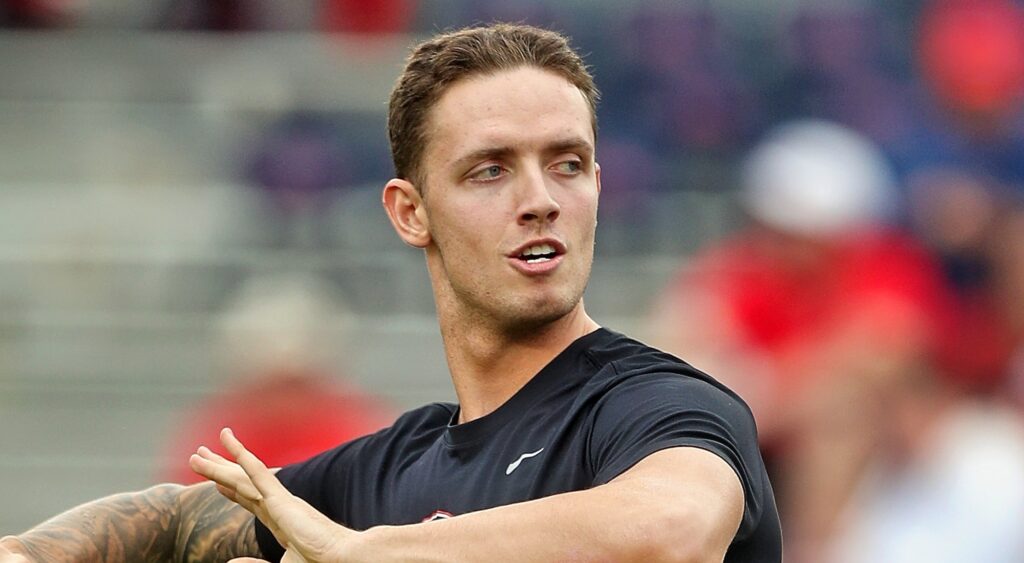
column 538, row 253
column 538, row 259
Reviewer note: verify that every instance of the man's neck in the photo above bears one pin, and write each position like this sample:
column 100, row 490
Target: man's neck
column 489, row 365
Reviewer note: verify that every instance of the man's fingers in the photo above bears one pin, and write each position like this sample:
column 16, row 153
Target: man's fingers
column 261, row 477
column 226, row 492
column 242, row 456
column 216, row 460
column 227, row 475
column 211, row 455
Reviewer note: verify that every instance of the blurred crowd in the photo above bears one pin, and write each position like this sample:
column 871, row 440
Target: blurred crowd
column 870, row 307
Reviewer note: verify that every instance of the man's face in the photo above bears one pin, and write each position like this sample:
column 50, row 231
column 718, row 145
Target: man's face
column 510, row 197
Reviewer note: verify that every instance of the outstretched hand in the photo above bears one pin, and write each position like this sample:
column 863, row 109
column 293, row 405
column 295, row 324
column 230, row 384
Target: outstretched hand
column 305, row 533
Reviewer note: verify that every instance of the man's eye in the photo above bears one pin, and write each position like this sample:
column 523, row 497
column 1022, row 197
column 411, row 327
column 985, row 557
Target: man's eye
column 489, row 173
column 569, row 166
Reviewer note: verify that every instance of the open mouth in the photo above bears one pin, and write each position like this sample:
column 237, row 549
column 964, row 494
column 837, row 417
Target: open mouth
column 538, row 253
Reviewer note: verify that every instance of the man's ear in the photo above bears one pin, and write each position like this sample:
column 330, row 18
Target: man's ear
column 404, row 206
column 597, row 174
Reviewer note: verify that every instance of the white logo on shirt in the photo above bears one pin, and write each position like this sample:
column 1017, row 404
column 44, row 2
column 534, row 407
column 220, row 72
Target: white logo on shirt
column 515, row 464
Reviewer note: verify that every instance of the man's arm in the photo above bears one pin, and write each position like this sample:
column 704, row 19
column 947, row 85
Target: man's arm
column 679, row 504
column 162, row 523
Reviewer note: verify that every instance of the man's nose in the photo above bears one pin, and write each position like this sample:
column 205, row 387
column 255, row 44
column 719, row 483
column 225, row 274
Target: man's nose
column 537, row 202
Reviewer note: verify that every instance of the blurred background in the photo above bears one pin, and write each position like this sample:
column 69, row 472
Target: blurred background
column 821, row 202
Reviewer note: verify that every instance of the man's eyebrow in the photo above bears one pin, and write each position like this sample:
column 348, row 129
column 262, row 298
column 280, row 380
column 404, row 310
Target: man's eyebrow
column 486, row 153
column 578, row 144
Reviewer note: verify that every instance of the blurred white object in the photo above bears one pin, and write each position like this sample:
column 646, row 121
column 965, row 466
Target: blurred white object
column 961, row 499
column 817, row 178
column 282, row 322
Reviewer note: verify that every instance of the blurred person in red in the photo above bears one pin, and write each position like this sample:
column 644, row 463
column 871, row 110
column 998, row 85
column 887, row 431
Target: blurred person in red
column 1004, row 250
column 815, row 310
column 965, row 170
column 275, row 341
column 974, row 225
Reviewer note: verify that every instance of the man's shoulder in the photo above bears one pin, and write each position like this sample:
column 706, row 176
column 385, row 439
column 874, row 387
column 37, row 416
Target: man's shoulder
column 623, row 363
column 619, row 356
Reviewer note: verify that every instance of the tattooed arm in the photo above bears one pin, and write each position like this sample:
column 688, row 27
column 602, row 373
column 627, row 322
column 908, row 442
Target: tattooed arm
column 163, row 523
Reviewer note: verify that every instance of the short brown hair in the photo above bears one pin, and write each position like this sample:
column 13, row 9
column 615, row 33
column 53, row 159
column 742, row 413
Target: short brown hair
column 436, row 64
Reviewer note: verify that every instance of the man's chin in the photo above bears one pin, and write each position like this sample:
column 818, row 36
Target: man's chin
column 538, row 315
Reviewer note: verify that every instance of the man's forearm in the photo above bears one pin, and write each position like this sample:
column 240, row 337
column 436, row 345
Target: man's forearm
column 648, row 515
column 569, row 527
column 163, row 523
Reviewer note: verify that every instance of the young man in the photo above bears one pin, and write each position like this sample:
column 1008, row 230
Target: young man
column 569, row 441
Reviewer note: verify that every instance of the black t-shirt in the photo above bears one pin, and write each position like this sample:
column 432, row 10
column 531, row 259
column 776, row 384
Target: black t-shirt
column 594, row 411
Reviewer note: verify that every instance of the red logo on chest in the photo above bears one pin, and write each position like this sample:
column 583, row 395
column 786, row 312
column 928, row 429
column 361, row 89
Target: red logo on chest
column 438, row 515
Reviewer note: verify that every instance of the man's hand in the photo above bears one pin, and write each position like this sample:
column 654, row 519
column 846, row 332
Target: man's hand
column 307, row 534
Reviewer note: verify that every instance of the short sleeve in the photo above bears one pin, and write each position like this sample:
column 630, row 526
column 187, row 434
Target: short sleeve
column 650, row 412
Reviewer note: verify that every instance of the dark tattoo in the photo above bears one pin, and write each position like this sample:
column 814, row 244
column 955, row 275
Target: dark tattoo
column 213, row 528
column 163, row 523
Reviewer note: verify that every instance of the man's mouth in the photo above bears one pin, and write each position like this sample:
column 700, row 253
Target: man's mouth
column 538, row 257
column 538, row 253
